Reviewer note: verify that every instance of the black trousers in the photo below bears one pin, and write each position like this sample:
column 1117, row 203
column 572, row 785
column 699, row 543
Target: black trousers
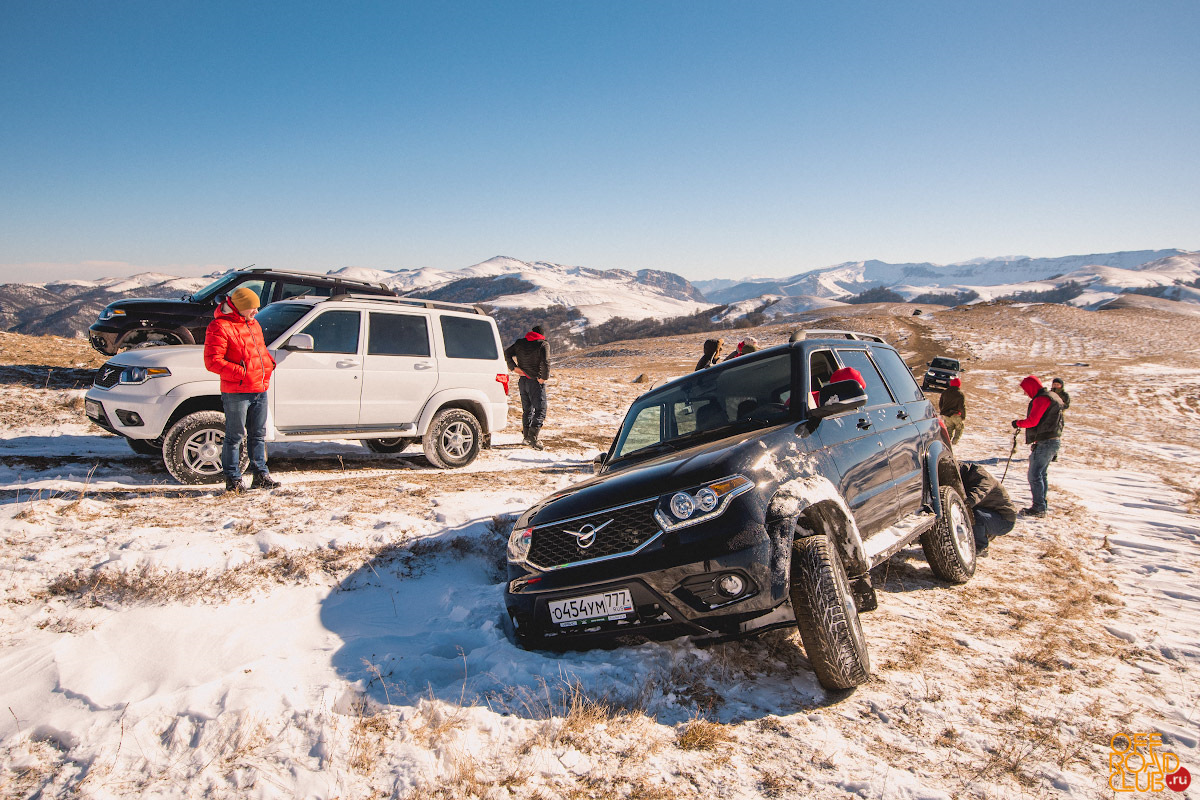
column 533, row 403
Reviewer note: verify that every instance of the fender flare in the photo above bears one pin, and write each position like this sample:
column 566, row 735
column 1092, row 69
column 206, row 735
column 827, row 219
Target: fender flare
column 471, row 400
column 811, row 506
column 932, row 457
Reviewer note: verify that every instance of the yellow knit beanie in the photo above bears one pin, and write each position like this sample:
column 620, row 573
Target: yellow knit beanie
column 244, row 299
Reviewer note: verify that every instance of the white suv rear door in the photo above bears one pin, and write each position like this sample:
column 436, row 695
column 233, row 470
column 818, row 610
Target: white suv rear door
column 400, row 372
column 321, row 389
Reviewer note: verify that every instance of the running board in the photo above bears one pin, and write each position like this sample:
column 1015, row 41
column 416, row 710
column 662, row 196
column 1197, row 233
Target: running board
column 887, row 543
column 394, row 430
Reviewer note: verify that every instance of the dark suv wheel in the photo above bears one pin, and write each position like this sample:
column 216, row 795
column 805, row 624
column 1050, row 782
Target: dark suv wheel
column 950, row 545
column 826, row 615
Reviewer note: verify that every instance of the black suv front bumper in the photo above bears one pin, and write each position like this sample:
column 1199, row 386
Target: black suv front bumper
column 675, row 585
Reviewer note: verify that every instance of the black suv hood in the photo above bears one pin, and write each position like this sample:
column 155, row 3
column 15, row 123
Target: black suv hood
column 665, row 474
column 138, row 305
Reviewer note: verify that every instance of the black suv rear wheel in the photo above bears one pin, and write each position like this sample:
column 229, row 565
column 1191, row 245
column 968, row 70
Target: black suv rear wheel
column 950, row 544
column 826, row 615
column 192, row 448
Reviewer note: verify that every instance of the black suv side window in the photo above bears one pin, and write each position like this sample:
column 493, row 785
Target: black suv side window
column 898, row 376
column 468, row 338
column 877, row 391
column 397, row 335
column 259, row 287
column 289, row 289
column 334, row 332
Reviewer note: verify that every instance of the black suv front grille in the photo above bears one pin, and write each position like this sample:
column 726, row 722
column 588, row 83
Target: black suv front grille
column 617, row 531
column 107, row 376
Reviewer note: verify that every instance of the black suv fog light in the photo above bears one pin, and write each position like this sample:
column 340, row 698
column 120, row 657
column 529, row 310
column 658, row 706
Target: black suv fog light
column 130, row 419
column 731, row 585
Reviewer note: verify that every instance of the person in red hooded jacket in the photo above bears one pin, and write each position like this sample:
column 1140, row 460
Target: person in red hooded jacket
column 953, row 408
column 1043, row 426
column 235, row 350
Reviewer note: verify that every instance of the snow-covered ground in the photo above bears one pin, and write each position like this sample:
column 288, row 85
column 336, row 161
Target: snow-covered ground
column 341, row 636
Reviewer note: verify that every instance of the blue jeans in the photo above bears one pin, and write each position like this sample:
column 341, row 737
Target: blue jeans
column 989, row 525
column 245, row 419
column 1039, row 465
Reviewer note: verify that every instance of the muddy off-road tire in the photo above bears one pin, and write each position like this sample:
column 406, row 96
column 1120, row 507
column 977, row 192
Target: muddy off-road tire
column 826, row 615
column 396, row 445
column 192, row 448
column 145, row 447
column 453, row 439
column 950, row 544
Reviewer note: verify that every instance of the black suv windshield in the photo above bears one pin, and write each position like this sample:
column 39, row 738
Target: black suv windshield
column 278, row 317
column 945, row 363
column 214, row 288
column 708, row 404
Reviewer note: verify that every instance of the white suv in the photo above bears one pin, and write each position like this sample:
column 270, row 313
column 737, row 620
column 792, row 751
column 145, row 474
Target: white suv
column 386, row 370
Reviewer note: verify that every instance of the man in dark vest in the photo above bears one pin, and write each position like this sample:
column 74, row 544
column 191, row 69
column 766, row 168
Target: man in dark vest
column 529, row 357
column 1043, row 426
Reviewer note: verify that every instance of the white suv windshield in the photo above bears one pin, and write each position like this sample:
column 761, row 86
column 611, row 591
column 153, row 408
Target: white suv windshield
column 710, row 403
column 278, row 317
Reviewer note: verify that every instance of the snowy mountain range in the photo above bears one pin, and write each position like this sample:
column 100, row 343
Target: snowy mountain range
column 67, row 308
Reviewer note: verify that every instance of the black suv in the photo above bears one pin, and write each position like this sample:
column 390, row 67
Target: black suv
column 752, row 495
column 941, row 371
column 128, row 323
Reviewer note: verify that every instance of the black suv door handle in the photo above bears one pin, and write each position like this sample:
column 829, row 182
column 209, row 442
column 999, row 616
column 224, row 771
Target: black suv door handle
column 865, row 424
column 902, row 414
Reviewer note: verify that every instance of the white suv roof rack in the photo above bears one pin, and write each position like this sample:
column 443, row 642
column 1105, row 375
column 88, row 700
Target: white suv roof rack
column 830, row 333
column 410, row 301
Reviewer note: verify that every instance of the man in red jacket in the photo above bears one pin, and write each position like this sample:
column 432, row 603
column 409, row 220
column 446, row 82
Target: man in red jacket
column 1043, row 426
column 235, row 350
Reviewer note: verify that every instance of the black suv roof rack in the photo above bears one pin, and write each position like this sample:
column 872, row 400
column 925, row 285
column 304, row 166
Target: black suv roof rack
column 412, row 301
column 831, row 333
column 325, row 277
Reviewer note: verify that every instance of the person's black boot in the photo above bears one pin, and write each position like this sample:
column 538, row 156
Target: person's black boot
column 234, row 486
column 262, row 480
column 532, row 441
column 524, row 434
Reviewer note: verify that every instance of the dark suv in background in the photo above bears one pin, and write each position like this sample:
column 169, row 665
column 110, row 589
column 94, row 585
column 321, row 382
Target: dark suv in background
column 752, row 495
column 128, row 323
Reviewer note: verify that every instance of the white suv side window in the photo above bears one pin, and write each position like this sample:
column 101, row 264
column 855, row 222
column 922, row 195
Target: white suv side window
column 397, row 335
column 334, row 332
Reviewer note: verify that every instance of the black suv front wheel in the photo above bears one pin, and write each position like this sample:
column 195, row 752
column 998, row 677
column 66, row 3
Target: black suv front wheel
column 192, row 448
column 826, row 615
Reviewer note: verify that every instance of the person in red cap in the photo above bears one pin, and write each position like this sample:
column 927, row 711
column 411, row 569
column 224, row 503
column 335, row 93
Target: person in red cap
column 1043, row 426
column 234, row 349
column 529, row 357
column 953, row 408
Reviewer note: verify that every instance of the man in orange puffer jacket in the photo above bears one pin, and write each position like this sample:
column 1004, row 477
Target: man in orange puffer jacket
column 235, row 350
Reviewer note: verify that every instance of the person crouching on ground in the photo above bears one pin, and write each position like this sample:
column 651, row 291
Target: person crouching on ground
column 1043, row 426
column 529, row 357
column 235, row 350
column 953, row 408
column 992, row 510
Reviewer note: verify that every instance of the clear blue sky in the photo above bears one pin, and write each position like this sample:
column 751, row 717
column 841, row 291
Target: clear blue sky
column 708, row 139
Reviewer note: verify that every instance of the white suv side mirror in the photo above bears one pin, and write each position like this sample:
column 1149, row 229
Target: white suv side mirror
column 299, row 341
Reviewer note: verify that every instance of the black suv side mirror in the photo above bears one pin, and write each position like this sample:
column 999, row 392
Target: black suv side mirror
column 598, row 463
column 837, row 398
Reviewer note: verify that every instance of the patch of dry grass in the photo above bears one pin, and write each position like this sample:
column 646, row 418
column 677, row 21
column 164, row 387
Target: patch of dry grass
column 701, row 734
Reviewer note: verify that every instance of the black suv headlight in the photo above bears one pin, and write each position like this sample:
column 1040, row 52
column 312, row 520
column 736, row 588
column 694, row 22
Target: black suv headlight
column 700, row 504
column 142, row 374
column 519, row 542
column 109, row 313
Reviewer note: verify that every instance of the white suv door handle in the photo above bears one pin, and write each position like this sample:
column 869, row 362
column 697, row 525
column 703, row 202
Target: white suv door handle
column 348, row 362
column 422, row 365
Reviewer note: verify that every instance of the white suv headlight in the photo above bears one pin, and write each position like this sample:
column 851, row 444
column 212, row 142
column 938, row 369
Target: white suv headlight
column 700, row 504
column 142, row 374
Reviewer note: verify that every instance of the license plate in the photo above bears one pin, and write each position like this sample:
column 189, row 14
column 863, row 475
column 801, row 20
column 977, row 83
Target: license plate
column 591, row 608
column 92, row 409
